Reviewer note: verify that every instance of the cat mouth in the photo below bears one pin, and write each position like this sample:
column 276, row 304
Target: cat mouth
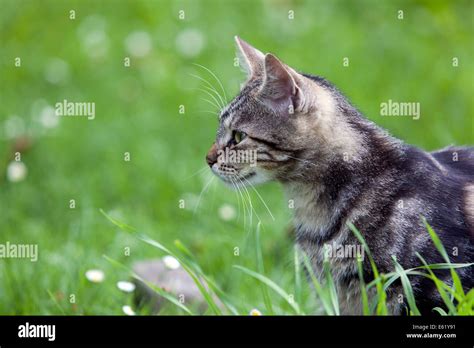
column 237, row 178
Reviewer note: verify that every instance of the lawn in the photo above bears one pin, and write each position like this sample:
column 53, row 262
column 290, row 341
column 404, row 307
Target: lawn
column 141, row 158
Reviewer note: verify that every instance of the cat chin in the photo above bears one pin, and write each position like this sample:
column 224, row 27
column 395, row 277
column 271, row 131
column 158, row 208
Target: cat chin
column 250, row 179
column 256, row 179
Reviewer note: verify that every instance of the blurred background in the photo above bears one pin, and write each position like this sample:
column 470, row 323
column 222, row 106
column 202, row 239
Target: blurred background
column 154, row 111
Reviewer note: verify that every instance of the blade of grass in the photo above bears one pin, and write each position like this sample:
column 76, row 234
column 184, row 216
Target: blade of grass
column 407, row 288
column 441, row 290
column 363, row 289
column 158, row 290
column 261, row 270
column 331, row 287
column 147, row 240
column 297, row 262
column 56, row 302
column 223, row 297
column 271, row 284
column 381, row 294
column 466, row 305
column 437, row 242
column 320, row 291
column 440, row 311
column 393, row 276
column 207, row 296
column 119, row 224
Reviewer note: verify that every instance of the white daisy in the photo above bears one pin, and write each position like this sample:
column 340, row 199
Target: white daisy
column 16, row 171
column 171, row 262
column 128, row 310
column 126, row 286
column 95, row 275
column 255, row 312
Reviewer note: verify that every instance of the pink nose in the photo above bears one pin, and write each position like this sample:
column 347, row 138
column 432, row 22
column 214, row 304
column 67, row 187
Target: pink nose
column 211, row 157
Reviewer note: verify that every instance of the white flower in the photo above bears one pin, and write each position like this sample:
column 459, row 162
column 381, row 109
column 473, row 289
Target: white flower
column 227, row 212
column 255, row 312
column 171, row 262
column 125, row 286
column 16, row 171
column 128, row 310
column 95, row 275
column 138, row 43
column 190, row 42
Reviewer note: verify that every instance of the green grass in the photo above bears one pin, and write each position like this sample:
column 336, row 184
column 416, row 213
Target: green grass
column 137, row 111
column 457, row 302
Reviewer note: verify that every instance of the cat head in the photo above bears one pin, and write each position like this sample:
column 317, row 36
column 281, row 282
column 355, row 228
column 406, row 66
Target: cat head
column 279, row 125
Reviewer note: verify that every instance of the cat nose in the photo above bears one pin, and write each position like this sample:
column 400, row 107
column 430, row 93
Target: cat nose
column 211, row 157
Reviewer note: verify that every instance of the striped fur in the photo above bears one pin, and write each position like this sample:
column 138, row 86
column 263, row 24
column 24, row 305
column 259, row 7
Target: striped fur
column 339, row 167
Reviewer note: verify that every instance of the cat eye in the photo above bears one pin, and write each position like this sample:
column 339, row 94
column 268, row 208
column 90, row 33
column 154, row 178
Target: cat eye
column 238, row 136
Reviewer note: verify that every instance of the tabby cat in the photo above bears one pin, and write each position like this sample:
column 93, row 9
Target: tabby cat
column 337, row 167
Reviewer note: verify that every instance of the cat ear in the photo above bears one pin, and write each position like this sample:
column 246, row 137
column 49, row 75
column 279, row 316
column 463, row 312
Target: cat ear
column 250, row 59
column 280, row 85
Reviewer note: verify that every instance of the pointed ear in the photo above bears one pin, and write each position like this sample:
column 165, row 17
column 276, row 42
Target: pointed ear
column 279, row 86
column 251, row 59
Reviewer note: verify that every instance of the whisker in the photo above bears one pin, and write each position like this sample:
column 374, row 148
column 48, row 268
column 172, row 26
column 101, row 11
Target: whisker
column 222, row 102
column 196, row 173
column 210, row 102
column 244, row 204
column 213, row 97
column 210, row 86
column 221, row 106
column 207, row 112
column 249, row 231
column 202, row 191
column 238, row 200
column 214, row 75
column 250, row 201
column 259, row 196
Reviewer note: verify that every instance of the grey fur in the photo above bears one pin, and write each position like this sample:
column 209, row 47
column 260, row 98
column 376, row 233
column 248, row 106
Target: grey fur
column 339, row 167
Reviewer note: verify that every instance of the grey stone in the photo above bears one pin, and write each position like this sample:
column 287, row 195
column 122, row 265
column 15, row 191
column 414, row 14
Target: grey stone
column 177, row 282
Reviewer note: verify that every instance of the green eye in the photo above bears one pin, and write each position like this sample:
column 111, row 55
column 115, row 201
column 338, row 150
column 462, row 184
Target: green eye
column 239, row 136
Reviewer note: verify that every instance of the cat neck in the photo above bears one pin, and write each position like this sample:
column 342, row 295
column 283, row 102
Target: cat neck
column 323, row 193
